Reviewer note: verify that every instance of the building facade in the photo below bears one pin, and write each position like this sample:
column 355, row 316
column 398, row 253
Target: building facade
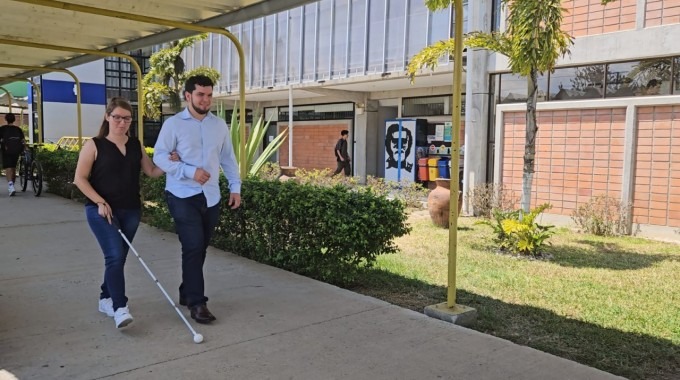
column 608, row 115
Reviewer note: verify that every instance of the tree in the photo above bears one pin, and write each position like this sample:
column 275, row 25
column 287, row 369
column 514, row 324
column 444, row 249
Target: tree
column 533, row 41
column 164, row 81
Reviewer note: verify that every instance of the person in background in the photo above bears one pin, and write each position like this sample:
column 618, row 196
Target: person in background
column 12, row 143
column 341, row 155
column 107, row 173
column 192, row 185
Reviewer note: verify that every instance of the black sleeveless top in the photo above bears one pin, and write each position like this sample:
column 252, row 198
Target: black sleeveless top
column 116, row 177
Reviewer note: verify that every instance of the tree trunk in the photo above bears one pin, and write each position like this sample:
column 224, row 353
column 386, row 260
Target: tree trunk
column 530, row 143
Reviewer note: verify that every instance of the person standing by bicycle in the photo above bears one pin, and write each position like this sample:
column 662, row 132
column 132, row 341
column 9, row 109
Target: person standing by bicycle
column 12, row 143
column 107, row 173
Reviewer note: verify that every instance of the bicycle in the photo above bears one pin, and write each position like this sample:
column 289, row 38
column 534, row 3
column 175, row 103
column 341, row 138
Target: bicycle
column 30, row 169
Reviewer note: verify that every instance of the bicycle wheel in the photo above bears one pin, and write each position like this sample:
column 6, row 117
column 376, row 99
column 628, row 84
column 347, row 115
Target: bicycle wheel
column 22, row 169
column 37, row 178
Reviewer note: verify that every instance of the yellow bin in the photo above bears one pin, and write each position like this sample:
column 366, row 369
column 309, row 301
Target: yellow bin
column 432, row 171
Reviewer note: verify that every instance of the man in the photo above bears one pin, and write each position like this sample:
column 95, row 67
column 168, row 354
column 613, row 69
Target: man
column 341, row 155
column 192, row 185
column 12, row 139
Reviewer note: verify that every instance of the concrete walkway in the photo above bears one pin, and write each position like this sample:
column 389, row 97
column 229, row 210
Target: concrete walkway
column 271, row 324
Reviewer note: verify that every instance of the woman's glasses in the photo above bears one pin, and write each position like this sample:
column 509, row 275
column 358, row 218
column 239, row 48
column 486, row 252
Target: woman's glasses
column 118, row 118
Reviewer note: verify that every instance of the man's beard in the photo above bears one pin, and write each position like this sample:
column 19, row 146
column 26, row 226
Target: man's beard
column 198, row 110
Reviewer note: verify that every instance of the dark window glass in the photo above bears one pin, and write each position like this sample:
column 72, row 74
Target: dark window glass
column 584, row 82
column 319, row 112
column 429, row 106
column 641, row 78
column 676, row 69
column 496, row 13
column 514, row 88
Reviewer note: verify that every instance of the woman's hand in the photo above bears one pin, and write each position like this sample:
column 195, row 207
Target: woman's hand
column 174, row 156
column 105, row 211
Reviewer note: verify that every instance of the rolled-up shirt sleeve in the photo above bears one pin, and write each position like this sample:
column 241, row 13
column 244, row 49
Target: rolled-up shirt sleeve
column 230, row 166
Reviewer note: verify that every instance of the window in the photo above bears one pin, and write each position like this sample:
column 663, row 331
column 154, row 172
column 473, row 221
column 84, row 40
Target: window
column 514, row 88
column 323, row 49
column 640, row 78
column 429, row 106
column 357, row 37
column 676, row 75
column 340, row 25
column 319, row 112
column 376, row 37
column 584, row 82
column 396, row 22
column 309, row 41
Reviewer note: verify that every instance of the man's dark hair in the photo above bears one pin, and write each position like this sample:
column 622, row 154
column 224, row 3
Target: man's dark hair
column 200, row 80
column 344, row 132
column 10, row 118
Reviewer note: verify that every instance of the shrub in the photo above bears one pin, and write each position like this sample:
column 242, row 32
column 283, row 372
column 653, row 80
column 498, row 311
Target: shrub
column 327, row 233
column 487, row 197
column 59, row 168
column 603, row 215
column 517, row 233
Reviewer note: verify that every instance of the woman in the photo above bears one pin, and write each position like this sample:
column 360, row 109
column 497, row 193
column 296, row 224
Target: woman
column 108, row 175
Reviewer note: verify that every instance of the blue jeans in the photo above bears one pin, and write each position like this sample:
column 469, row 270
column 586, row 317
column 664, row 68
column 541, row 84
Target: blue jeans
column 195, row 223
column 114, row 248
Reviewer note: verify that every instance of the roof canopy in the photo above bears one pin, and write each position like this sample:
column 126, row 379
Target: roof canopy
column 54, row 23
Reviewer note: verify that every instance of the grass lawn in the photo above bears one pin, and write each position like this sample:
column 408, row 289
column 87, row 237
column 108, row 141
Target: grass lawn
column 610, row 303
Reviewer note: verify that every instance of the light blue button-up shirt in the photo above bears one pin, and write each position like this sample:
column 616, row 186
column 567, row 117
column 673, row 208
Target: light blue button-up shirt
column 201, row 144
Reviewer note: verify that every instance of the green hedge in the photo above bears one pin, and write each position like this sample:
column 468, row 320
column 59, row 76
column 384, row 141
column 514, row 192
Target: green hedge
column 327, row 233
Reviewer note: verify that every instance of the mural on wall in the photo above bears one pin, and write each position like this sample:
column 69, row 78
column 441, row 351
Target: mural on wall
column 399, row 152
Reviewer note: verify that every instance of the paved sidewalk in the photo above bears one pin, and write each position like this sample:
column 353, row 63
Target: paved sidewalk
column 271, row 324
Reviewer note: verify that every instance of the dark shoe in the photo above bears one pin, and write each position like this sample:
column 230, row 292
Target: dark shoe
column 201, row 314
column 182, row 301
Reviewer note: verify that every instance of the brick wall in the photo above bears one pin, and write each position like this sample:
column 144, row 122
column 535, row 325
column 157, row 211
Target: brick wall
column 313, row 145
column 656, row 199
column 662, row 12
column 579, row 154
column 589, row 17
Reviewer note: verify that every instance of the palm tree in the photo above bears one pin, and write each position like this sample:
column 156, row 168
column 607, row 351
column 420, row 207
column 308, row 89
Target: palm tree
column 533, row 41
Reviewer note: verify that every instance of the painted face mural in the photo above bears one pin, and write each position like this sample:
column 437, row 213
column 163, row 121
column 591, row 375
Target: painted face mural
column 394, row 152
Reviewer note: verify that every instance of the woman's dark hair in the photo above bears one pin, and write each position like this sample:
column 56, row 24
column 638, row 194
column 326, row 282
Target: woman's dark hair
column 114, row 103
column 10, row 118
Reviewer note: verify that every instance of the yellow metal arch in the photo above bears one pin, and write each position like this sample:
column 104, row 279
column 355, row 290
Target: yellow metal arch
column 138, row 70
column 39, row 102
column 65, row 71
column 9, row 96
column 172, row 24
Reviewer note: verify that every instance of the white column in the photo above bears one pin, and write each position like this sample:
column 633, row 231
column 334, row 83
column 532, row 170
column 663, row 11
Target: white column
column 476, row 104
column 290, row 126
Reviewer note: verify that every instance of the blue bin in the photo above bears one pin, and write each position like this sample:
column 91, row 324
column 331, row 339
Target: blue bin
column 443, row 165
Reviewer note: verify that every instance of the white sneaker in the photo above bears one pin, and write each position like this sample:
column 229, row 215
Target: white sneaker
column 122, row 317
column 106, row 306
column 12, row 191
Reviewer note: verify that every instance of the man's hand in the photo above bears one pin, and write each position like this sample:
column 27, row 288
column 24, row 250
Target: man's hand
column 201, row 176
column 234, row 200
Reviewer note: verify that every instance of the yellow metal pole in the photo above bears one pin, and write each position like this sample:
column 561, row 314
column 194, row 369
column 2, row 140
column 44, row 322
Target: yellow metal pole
column 9, row 96
column 39, row 102
column 138, row 70
column 172, row 24
column 65, row 71
column 455, row 148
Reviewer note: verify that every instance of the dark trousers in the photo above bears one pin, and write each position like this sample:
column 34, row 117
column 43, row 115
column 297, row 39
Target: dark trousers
column 343, row 165
column 195, row 223
column 114, row 248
